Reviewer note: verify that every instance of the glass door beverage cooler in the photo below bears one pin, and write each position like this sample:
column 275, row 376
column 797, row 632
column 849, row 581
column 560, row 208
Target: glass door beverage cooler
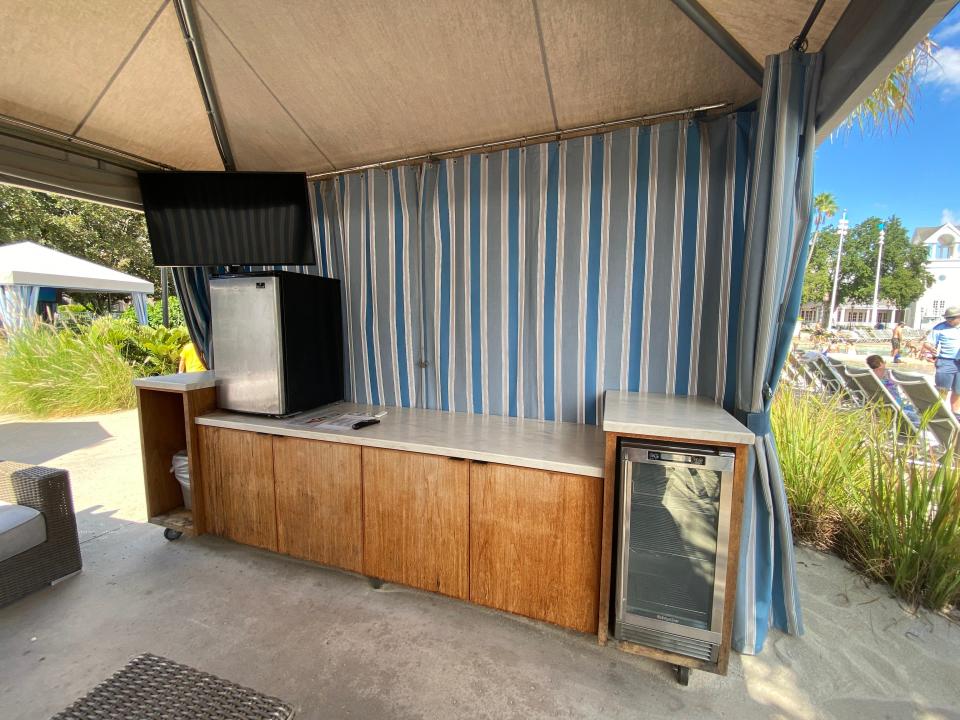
column 672, row 560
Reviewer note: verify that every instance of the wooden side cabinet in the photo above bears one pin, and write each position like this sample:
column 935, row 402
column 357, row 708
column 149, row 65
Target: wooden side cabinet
column 535, row 543
column 238, row 487
column 415, row 520
column 319, row 497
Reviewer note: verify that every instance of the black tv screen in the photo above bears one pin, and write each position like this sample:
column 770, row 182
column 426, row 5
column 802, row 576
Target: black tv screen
column 228, row 218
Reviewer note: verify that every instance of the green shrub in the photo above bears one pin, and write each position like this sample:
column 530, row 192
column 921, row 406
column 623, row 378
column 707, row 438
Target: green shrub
column 887, row 504
column 823, row 457
column 155, row 313
column 45, row 371
column 908, row 530
column 82, row 367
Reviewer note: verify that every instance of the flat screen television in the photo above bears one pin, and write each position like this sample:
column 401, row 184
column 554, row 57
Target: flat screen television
column 228, row 218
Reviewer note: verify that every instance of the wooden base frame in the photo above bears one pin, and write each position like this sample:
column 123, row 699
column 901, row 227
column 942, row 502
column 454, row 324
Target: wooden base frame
column 166, row 427
column 607, row 559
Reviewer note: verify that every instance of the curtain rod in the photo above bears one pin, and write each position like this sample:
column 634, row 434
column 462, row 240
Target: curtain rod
column 522, row 141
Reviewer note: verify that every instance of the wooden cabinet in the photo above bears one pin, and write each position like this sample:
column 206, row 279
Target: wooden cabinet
column 238, row 486
column 319, row 495
column 415, row 520
column 535, row 543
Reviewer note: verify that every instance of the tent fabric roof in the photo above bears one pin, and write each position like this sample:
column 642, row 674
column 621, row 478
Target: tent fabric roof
column 26, row 263
column 321, row 86
column 100, row 88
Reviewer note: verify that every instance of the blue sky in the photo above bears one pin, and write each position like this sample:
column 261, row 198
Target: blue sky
column 913, row 172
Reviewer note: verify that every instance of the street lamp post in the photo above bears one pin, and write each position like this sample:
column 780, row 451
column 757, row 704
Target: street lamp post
column 876, row 280
column 842, row 226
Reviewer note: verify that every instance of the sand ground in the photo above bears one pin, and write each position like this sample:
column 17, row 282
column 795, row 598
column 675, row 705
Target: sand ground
column 334, row 647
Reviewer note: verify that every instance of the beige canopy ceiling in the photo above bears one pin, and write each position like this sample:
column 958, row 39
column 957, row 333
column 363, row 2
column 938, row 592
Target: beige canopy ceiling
column 92, row 90
column 320, row 86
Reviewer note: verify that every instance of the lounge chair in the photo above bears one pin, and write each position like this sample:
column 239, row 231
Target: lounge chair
column 930, row 406
column 876, row 392
column 830, row 381
column 38, row 530
column 850, row 386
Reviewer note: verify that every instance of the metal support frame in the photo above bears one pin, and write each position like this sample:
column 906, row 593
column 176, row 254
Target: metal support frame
column 191, row 34
column 522, row 141
column 724, row 40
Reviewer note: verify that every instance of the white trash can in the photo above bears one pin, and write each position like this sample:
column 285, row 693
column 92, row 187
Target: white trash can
column 181, row 471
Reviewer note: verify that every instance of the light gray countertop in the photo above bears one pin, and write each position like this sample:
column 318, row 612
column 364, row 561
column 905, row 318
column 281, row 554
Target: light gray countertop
column 684, row 418
column 557, row 447
column 181, row 382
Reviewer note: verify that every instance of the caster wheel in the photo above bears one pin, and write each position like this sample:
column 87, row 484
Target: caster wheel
column 683, row 675
column 171, row 534
column 375, row 583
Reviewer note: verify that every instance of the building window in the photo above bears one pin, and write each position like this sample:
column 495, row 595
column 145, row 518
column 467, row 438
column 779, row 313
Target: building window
column 944, row 251
column 856, row 316
column 808, row 315
column 938, row 307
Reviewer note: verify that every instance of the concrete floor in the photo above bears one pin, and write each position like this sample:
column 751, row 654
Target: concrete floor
column 333, row 647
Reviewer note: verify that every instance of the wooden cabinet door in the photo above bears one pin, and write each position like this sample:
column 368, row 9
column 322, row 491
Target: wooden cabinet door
column 238, row 486
column 318, row 501
column 415, row 520
column 535, row 543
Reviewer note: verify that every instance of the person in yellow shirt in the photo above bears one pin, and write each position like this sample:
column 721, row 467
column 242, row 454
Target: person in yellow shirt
column 190, row 360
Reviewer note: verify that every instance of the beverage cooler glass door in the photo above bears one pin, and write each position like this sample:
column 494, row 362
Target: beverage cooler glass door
column 674, row 534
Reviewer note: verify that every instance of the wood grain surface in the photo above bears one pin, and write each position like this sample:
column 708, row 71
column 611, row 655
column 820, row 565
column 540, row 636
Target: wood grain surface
column 196, row 403
column 535, row 543
column 161, row 435
column 319, row 514
column 415, row 520
column 238, row 489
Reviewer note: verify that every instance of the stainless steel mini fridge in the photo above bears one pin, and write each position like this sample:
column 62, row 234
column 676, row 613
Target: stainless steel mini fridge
column 277, row 345
column 672, row 561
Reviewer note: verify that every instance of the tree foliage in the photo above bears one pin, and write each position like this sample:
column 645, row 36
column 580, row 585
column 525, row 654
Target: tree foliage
column 890, row 105
column 105, row 235
column 903, row 274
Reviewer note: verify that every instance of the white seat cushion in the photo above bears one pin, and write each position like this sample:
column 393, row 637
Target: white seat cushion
column 21, row 528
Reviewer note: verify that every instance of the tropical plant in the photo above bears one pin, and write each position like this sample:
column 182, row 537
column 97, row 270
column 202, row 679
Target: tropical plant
column 826, row 206
column 890, row 105
column 45, row 371
column 907, row 532
column 822, row 456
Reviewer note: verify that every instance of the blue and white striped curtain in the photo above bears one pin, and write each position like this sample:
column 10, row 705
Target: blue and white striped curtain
column 139, row 300
column 18, row 306
column 775, row 257
column 366, row 234
column 193, row 290
column 556, row 271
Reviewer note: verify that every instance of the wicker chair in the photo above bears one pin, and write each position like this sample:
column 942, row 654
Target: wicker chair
column 46, row 490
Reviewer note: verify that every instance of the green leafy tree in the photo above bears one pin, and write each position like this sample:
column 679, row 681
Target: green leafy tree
column 105, row 235
column 903, row 274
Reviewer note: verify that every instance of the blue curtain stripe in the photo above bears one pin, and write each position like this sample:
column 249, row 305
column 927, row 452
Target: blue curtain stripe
column 538, row 277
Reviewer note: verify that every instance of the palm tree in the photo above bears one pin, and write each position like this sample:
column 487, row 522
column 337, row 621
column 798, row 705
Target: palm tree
column 890, row 106
column 826, row 206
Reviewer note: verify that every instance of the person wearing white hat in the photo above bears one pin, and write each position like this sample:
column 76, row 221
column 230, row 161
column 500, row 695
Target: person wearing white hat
column 944, row 342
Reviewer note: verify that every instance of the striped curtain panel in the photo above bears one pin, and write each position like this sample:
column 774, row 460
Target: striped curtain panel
column 366, row 232
column 18, row 306
column 775, row 257
column 554, row 272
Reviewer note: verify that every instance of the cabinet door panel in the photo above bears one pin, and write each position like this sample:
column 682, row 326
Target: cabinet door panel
column 319, row 501
column 238, row 486
column 535, row 543
column 416, row 514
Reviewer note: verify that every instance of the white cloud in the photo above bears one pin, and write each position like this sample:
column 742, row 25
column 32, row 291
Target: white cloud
column 944, row 72
column 949, row 216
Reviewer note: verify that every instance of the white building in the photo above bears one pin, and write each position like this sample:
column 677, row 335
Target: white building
column 943, row 262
